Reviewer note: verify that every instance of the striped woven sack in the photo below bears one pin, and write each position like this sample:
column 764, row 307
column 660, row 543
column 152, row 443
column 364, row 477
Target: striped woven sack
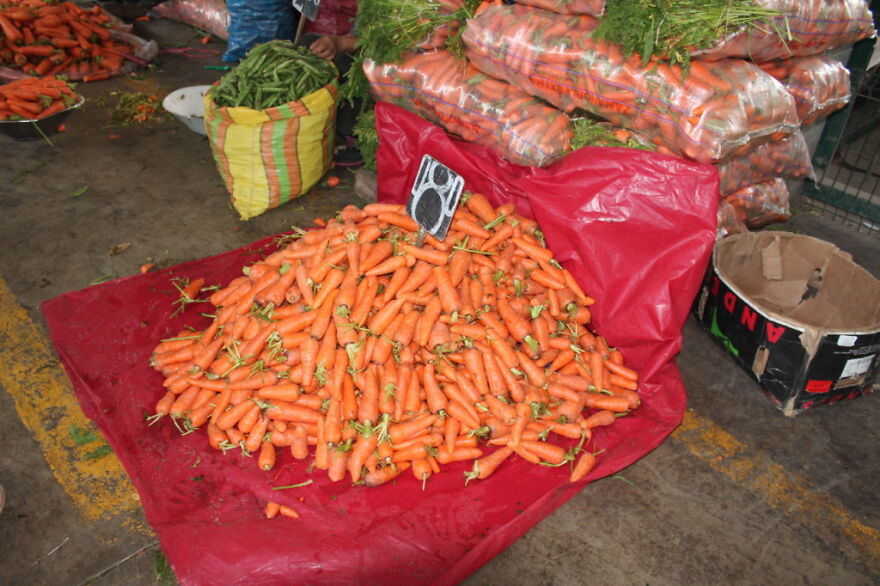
column 268, row 157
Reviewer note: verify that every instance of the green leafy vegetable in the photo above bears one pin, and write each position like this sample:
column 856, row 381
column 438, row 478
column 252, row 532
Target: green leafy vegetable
column 671, row 29
column 386, row 29
column 367, row 138
column 590, row 132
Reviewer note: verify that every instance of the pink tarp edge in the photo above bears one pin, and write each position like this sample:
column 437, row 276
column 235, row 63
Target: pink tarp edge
column 206, row 508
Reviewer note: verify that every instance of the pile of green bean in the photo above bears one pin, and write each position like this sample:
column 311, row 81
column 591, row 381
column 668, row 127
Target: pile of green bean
column 272, row 74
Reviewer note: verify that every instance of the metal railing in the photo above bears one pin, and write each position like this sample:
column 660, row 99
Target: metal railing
column 847, row 157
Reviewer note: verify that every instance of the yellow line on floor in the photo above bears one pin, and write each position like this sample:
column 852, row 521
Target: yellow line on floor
column 819, row 512
column 45, row 402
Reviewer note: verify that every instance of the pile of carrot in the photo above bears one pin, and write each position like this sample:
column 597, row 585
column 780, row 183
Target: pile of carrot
column 450, row 92
column 59, row 38
column 762, row 203
column 32, row 98
column 708, row 114
column 819, row 84
column 788, row 157
column 355, row 348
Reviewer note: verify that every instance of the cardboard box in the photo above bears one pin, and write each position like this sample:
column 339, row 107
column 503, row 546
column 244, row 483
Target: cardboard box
column 797, row 314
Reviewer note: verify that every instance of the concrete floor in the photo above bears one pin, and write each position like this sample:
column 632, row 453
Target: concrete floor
column 738, row 494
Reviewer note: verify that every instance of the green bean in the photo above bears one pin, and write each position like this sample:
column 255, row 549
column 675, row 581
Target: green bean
column 272, row 74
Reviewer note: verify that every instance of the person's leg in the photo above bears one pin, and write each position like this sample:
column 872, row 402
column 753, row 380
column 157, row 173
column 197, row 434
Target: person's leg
column 347, row 153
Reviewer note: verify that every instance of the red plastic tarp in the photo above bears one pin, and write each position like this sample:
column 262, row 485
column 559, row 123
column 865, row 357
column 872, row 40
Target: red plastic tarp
column 635, row 228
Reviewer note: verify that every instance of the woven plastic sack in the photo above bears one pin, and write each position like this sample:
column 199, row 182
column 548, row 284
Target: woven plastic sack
column 819, row 84
column 719, row 109
column 252, row 22
column 208, row 15
column 591, row 7
column 268, row 157
column 804, row 27
column 480, row 109
column 788, row 157
column 762, row 203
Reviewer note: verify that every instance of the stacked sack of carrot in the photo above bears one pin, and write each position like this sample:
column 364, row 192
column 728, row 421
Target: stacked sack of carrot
column 41, row 37
column 355, row 349
column 718, row 82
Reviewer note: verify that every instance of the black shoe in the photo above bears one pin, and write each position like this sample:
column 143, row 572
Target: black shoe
column 347, row 153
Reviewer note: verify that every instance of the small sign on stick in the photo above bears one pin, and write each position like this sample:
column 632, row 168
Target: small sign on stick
column 434, row 197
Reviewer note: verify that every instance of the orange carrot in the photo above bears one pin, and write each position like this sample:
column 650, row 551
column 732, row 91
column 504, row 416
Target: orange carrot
column 485, row 466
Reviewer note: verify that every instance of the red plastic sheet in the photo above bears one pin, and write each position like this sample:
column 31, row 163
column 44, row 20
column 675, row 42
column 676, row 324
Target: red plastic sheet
column 636, row 228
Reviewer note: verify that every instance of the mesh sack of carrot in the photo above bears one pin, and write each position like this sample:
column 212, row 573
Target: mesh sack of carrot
column 591, row 7
column 713, row 112
column 788, row 157
column 796, row 29
column 60, row 38
column 819, row 84
column 36, row 97
column 729, row 220
column 478, row 108
column 762, row 203
column 208, row 15
column 385, row 356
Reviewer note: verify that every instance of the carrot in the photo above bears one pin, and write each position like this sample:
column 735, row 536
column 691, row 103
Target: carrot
column 230, row 417
column 459, row 454
column 431, row 256
column 480, row 206
column 516, row 324
column 400, row 220
column 584, row 466
column 426, row 323
column 485, row 466
column 422, row 470
column 535, row 251
column 383, row 318
column 365, row 444
column 338, row 464
column 435, row 397
column 266, row 458
column 599, row 419
column 271, row 510
column 377, row 253
column 611, row 403
column 383, row 475
column 458, row 410
column 450, row 300
column 550, row 453
column 282, row 391
column 286, row 511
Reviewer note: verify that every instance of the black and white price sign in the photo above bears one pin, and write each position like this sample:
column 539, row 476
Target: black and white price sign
column 308, row 8
column 434, row 197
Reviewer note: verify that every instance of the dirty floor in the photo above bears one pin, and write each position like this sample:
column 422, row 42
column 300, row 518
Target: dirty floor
column 738, row 494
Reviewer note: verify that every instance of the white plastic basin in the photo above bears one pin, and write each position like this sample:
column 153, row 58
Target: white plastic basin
column 187, row 106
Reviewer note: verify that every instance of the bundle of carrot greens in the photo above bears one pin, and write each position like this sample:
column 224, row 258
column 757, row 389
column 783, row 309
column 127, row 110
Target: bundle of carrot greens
column 354, row 349
column 388, row 29
column 672, row 29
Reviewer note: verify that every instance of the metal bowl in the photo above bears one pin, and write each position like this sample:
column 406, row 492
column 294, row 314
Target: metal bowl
column 33, row 129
